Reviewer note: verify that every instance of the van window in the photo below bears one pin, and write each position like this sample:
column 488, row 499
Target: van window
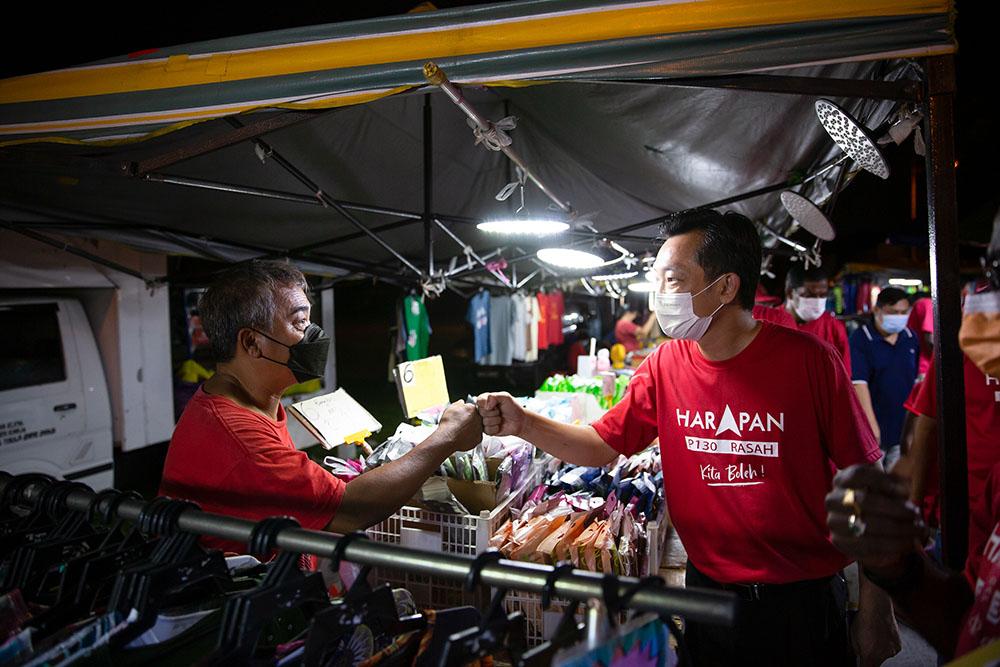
column 31, row 351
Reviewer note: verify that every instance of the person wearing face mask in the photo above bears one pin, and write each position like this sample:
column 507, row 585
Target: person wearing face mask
column 231, row 452
column 884, row 360
column 752, row 419
column 957, row 612
column 806, row 292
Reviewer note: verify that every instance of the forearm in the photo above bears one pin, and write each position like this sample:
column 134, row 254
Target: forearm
column 937, row 605
column 865, row 398
column 575, row 444
column 378, row 493
column 922, row 452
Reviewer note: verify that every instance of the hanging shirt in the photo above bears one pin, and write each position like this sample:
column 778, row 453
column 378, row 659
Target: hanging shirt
column 921, row 322
column 418, row 328
column 519, row 326
column 557, row 308
column 749, row 447
column 478, row 316
column 534, row 316
column 982, row 428
column 829, row 328
column 501, row 336
column 889, row 370
column 232, row 460
column 775, row 315
column 543, row 320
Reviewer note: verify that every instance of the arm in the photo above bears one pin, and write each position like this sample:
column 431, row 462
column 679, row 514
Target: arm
column 378, row 493
column 934, row 601
column 580, row 445
column 865, row 398
column 923, row 451
column 646, row 328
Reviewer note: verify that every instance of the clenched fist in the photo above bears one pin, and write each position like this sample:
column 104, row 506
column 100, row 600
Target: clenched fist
column 501, row 414
column 461, row 426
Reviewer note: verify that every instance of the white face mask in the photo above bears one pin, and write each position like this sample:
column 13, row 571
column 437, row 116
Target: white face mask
column 809, row 308
column 893, row 323
column 675, row 313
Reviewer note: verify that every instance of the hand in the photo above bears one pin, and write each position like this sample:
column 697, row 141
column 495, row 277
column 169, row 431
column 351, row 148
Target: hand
column 892, row 525
column 501, row 414
column 460, row 426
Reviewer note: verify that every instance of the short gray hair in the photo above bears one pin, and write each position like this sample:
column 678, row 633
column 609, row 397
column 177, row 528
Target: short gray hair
column 242, row 297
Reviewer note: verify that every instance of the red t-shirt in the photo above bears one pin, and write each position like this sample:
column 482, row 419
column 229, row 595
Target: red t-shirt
column 982, row 424
column 982, row 569
column 625, row 333
column 829, row 328
column 922, row 322
column 557, row 308
column 749, row 448
column 543, row 320
column 776, row 315
column 231, row 460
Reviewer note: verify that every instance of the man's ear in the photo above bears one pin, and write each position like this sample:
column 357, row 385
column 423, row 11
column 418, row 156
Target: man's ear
column 247, row 341
column 730, row 288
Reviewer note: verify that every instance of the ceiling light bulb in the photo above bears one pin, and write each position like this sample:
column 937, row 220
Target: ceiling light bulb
column 569, row 258
column 523, row 226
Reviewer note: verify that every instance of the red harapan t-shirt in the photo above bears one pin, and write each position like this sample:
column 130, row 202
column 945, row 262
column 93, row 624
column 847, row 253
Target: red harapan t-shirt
column 829, row 328
column 982, row 569
column 235, row 461
column 749, row 448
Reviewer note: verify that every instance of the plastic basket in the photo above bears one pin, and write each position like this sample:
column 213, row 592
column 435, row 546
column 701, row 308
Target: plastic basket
column 541, row 624
column 465, row 534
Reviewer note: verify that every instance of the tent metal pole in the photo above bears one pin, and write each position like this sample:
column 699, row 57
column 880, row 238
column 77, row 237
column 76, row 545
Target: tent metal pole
column 435, row 76
column 942, row 229
column 428, row 185
column 326, row 199
column 904, row 90
column 79, row 252
column 706, row 606
column 466, row 248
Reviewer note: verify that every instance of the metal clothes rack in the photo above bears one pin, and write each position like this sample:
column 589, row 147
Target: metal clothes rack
column 704, row 606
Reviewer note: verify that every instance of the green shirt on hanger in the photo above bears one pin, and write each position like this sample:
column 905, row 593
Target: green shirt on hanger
column 418, row 328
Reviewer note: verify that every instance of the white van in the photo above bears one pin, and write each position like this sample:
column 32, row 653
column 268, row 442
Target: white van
column 55, row 413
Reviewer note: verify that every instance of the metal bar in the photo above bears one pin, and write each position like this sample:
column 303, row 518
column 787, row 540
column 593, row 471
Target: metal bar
column 705, row 606
column 496, row 274
column 354, row 235
column 428, row 185
column 327, row 199
column 437, row 77
column 73, row 250
column 795, row 85
column 942, row 229
column 242, row 133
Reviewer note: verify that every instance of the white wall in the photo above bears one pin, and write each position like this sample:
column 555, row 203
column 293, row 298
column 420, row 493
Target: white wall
column 130, row 322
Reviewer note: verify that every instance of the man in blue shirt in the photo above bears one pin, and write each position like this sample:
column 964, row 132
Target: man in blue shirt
column 884, row 358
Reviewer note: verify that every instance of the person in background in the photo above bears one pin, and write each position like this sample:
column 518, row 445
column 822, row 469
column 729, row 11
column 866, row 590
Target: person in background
column 231, row 452
column 872, row 518
column 806, row 292
column 884, row 368
column 752, row 420
column 767, row 308
column 921, row 322
column 635, row 324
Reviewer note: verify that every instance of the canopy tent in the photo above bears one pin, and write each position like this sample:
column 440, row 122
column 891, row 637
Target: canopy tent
column 325, row 144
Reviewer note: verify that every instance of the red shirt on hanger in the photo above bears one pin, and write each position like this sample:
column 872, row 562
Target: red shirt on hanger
column 749, row 448
column 232, row 460
column 557, row 309
column 543, row 320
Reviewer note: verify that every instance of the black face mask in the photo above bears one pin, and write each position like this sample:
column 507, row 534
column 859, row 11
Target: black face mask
column 307, row 358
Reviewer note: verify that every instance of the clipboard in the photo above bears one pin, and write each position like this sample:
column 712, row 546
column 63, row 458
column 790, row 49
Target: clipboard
column 335, row 419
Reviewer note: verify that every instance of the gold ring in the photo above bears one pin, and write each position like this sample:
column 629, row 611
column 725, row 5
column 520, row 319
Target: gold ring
column 849, row 502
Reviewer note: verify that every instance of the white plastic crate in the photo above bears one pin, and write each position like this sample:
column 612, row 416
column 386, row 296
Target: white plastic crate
column 466, row 534
column 541, row 624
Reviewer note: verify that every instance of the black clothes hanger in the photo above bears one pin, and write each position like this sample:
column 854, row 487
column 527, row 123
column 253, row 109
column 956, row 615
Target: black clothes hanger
column 567, row 633
column 285, row 587
column 85, row 581
column 30, row 562
column 18, row 529
column 178, row 571
column 496, row 631
column 614, row 603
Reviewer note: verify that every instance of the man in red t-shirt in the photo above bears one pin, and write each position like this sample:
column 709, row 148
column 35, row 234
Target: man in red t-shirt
column 231, row 452
column 752, row 419
column 805, row 299
column 921, row 322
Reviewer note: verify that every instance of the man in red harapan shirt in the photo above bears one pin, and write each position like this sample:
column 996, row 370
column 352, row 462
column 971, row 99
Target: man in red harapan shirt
column 231, row 452
column 805, row 299
column 753, row 420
